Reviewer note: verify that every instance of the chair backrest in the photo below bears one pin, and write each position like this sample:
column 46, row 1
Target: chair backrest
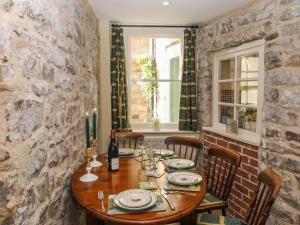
column 129, row 139
column 220, row 171
column 269, row 184
column 185, row 147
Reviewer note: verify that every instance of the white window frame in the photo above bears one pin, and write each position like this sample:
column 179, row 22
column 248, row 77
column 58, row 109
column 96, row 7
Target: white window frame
column 245, row 49
column 130, row 32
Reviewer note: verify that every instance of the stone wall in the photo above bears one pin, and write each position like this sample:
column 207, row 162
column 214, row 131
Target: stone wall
column 48, row 68
column 278, row 23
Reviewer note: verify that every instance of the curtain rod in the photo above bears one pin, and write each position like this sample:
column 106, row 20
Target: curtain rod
column 166, row 26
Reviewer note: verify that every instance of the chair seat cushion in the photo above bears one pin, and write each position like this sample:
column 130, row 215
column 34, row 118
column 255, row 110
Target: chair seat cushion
column 212, row 219
column 210, row 200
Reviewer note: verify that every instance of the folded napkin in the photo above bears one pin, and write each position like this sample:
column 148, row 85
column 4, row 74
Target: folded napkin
column 174, row 187
column 114, row 210
column 148, row 185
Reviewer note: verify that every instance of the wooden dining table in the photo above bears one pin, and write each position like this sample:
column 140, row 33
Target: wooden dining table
column 128, row 177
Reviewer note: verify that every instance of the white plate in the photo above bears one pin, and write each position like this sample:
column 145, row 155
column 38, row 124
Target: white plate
column 162, row 152
column 179, row 163
column 184, row 178
column 126, row 151
column 134, row 199
column 126, row 198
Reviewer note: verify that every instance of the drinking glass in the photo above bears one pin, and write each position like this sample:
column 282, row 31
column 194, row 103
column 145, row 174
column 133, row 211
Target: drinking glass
column 146, row 162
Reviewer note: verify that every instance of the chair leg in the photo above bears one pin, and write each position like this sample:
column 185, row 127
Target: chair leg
column 223, row 212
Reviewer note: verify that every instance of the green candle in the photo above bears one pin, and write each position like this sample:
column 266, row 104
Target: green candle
column 87, row 129
column 94, row 124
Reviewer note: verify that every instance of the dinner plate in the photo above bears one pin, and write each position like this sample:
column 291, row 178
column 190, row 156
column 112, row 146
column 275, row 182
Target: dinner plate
column 135, row 199
column 162, row 152
column 126, row 151
column 179, row 163
column 184, row 178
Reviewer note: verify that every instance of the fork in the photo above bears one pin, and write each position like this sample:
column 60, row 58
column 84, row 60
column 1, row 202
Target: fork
column 101, row 197
column 164, row 195
column 178, row 193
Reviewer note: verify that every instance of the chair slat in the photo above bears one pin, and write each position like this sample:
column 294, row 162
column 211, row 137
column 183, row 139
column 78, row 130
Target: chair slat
column 185, row 146
column 129, row 139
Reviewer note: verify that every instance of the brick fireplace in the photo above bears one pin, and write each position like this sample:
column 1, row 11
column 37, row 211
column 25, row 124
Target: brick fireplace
column 246, row 177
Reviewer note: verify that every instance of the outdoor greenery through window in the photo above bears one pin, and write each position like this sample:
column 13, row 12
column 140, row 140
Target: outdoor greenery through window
column 154, row 79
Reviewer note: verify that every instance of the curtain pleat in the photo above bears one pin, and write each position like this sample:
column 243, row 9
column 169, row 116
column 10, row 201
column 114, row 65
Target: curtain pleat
column 119, row 106
column 188, row 107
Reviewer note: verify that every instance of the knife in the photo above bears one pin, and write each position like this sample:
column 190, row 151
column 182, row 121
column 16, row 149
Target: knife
column 163, row 194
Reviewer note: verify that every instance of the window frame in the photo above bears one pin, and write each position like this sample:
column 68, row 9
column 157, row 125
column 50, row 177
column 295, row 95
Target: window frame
column 243, row 50
column 130, row 32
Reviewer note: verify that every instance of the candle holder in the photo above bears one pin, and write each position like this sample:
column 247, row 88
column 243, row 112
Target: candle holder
column 95, row 163
column 88, row 177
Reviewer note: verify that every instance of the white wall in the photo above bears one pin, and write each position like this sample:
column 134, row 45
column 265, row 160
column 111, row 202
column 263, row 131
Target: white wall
column 105, row 87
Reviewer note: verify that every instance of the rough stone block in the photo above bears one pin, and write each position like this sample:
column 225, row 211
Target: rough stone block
column 24, row 116
column 36, row 163
column 6, row 5
column 290, row 98
column 283, row 76
column 273, row 59
column 280, row 116
column 292, row 136
column 291, row 29
column 290, row 13
column 4, row 155
column 293, row 60
column 271, row 94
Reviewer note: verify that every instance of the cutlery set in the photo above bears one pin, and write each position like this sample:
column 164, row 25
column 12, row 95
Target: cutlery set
column 139, row 199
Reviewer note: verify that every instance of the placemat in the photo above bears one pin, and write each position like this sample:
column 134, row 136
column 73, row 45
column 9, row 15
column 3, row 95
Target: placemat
column 174, row 187
column 113, row 210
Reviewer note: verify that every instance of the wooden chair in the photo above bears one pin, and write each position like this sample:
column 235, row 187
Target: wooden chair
column 220, row 171
column 185, row 147
column 129, row 139
column 267, row 190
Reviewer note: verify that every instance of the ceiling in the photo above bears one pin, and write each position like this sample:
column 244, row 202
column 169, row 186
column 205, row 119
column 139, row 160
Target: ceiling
column 178, row 12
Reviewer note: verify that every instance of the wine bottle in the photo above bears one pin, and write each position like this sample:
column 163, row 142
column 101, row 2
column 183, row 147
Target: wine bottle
column 113, row 153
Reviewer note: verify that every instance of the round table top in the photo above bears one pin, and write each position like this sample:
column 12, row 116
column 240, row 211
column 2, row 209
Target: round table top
column 128, row 177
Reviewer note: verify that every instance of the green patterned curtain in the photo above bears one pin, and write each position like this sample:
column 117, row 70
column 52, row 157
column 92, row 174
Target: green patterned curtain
column 118, row 81
column 188, row 112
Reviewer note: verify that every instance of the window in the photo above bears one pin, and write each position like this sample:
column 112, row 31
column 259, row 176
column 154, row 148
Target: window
column 154, row 77
column 238, row 89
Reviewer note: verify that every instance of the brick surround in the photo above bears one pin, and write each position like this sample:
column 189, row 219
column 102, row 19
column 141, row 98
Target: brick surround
column 246, row 177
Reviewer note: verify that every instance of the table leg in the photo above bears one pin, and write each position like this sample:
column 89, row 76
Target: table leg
column 190, row 219
column 92, row 220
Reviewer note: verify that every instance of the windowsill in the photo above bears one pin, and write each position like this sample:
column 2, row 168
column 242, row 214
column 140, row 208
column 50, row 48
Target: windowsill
column 248, row 140
column 165, row 131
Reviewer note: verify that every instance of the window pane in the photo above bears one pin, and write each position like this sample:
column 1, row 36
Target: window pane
column 169, row 100
column 247, row 92
column 155, row 58
column 226, row 92
column 225, row 113
column 155, row 99
column 140, row 49
column 227, row 69
column 247, row 118
column 139, row 102
column 248, row 66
